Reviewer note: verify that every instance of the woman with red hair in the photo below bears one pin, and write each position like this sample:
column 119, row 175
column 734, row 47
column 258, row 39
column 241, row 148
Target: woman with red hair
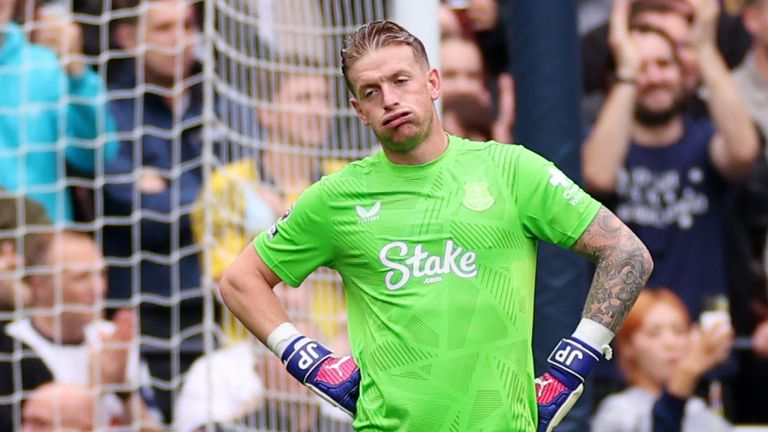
column 663, row 358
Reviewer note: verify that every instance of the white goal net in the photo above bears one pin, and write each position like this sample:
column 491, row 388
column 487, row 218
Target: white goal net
column 194, row 160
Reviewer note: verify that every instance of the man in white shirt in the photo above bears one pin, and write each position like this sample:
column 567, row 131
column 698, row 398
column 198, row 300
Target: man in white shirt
column 65, row 340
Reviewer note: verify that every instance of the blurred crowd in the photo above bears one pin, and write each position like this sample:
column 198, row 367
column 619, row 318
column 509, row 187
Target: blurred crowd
column 127, row 186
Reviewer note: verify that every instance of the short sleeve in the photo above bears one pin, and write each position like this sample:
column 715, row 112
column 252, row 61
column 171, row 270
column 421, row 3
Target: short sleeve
column 299, row 242
column 551, row 206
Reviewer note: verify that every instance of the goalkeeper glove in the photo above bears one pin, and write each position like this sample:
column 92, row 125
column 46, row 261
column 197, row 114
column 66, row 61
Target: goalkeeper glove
column 560, row 387
column 335, row 379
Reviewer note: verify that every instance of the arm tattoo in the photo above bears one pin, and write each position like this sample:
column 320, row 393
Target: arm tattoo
column 623, row 266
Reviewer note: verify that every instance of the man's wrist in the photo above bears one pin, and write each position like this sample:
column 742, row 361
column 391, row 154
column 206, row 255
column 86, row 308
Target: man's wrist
column 596, row 335
column 628, row 82
column 572, row 360
column 707, row 54
column 279, row 339
column 626, row 76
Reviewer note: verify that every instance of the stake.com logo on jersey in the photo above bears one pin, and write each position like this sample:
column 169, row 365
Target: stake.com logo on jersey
column 418, row 263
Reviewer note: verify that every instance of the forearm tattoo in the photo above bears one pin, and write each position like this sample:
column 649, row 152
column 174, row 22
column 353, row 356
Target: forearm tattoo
column 623, row 266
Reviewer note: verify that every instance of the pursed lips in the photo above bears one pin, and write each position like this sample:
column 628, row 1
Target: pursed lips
column 396, row 119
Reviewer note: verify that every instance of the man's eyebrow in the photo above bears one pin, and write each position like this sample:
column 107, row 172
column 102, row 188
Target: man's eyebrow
column 400, row 72
column 364, row 85
column 368, row 84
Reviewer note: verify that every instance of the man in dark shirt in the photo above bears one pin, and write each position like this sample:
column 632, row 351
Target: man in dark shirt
column 153, row 183
column 670, row 173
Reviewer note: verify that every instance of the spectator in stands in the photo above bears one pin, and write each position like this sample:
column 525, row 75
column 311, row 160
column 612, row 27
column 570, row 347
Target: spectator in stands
column 676, row 18
column 246, row 196
column 482, row 21
column 243, row 383
column 483, row 14
column 18, row 212
column 669, row 174
column 70, row 407
column 461, row 67
column 48, row 96
column 154, row 181
column 748, row 226
column 65, row 340
column 298, row 116
column 748, row 292
column 465, row 116
column 752, row 75
column 448, row 21
column 663, row 360
column 460, row 18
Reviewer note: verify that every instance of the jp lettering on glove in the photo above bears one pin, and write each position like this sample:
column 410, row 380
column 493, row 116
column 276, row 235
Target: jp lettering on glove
column 335, row 379
column 560, row 387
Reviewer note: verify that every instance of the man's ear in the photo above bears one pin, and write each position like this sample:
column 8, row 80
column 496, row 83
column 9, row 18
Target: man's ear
column 38, row 289
column 356, row 105
column 126, row 36
column 433, row 83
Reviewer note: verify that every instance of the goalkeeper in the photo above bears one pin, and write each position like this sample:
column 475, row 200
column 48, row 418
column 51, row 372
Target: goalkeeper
column 435, row 240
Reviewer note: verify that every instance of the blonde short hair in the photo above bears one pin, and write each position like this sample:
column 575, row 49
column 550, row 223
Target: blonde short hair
column 376, row 35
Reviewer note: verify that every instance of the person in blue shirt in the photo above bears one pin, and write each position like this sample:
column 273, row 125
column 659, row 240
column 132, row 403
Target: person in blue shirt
column 52, row 115
column 153, row 183
column 668, row 174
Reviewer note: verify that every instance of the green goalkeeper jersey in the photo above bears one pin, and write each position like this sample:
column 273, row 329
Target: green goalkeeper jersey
column 438, row 263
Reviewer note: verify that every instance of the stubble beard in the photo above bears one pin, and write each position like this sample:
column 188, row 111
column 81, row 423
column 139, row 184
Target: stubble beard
column 649, row 118
column 407, row 144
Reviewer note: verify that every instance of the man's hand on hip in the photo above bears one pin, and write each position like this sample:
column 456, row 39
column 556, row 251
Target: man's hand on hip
column 561, row 386
column 335, row 379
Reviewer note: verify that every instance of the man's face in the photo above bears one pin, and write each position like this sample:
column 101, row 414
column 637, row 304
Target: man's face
column 170, row 33
column 660, row 88
column 302, row 111
column 394, row 95
column 461, row 68
column 679, row 30
column 79, row 278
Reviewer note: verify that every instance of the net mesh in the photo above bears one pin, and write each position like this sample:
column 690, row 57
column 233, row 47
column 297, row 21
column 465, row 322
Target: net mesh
column 172, row 193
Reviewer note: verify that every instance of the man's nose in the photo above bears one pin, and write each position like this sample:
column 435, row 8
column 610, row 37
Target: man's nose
column 389, row 97
column 653, row 73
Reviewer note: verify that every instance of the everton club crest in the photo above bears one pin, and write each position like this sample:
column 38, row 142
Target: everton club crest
column 477, row 196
